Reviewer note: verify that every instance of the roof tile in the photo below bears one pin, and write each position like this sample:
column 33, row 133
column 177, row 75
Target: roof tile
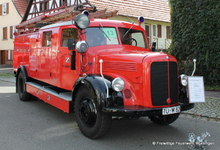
column 21, row 6
column 158, row 10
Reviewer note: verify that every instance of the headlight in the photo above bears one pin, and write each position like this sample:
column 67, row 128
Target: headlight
column 81, row 46
column 183, row 79
column 82, row 21
column 118, row 84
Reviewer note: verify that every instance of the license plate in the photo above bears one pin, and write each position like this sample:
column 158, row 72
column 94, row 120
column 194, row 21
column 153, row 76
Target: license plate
column 171, row 110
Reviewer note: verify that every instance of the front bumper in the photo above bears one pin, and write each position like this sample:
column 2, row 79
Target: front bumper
column 138, row 111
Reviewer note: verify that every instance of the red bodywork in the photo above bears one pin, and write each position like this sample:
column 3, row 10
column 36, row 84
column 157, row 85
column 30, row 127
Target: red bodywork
column 51, row 64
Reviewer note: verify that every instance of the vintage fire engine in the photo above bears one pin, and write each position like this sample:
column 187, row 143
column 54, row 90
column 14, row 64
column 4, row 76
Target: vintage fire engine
column 97, row 68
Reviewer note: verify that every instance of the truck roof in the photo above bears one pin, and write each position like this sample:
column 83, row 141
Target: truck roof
column 93, row 22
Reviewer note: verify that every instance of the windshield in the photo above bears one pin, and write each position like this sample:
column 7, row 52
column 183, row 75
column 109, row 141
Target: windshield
column 101, row 36
column 132, row 37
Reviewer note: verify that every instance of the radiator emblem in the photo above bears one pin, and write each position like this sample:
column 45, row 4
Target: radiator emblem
column 169, row 101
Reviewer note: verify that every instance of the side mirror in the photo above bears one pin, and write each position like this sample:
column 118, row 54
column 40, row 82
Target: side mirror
column 153, row 48
column 71, row 44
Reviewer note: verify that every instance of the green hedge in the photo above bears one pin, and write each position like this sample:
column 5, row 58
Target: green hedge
column 196, row 35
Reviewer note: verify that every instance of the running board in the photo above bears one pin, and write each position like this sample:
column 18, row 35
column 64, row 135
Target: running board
column 47, row 94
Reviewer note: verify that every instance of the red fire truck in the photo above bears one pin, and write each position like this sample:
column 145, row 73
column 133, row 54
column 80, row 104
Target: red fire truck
column 98, row 68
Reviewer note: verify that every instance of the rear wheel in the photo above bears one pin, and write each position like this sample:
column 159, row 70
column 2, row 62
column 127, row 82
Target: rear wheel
column 92, row 122
column 23, row 95
column 164, row 120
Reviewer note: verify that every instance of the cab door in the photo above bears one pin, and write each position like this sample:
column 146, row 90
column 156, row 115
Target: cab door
column 44, row 56
column 65, row 76
column 33, row 59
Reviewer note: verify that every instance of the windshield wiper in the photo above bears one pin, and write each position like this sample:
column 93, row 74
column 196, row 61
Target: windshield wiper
column 104, row 32
column 126, row 32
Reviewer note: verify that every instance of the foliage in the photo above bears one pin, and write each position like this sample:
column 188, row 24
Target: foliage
column 196, row 35
column 212, row 88
column 7, row 75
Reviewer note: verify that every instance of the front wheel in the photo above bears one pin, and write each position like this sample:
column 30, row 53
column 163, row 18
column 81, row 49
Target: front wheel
column 164, row 119
column 92, row 122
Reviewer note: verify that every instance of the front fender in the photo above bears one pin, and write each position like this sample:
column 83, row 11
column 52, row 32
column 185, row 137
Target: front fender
column 97, row 87
column 21, row 69
column 183, row 95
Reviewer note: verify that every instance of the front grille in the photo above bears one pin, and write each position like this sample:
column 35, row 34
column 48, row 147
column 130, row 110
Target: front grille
column 164, row 83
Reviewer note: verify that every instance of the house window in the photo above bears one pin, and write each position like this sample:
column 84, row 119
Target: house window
column 154, row 31
column 63, row 2
column 159, row 31
column 5, row 36
column 69, row 33
column 4, row 9
column 168, row 32
column 44, row 6
column 47, row 39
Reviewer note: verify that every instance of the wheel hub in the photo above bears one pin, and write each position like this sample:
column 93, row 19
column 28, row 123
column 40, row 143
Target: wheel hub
column 87, row 112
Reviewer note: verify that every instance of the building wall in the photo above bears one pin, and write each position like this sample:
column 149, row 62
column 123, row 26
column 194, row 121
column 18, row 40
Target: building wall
column 12, row 18
column 40, row 6
column 161, row 42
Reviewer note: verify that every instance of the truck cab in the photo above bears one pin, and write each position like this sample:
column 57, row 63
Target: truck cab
column 99, row 68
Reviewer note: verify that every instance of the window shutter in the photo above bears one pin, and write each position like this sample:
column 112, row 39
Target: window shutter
column 168, row 32
column 11, row 32
column 5, row 36
column 7, row 8
column 0, row 10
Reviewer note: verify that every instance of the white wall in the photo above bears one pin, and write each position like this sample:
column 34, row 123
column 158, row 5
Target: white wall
column 11, row 19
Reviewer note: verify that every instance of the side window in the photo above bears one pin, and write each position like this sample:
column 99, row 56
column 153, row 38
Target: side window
column 140, row 38
column 154, row 31
column 159, row 31
column 69, row 33
column 47, row 39
column 132, row 37
column 63, row 2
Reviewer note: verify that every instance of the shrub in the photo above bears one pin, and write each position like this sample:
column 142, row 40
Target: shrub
column 196, row 35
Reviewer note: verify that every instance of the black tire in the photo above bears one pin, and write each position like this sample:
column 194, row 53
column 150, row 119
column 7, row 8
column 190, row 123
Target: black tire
column 164, row 120
column 23, row 95
column 92, row 122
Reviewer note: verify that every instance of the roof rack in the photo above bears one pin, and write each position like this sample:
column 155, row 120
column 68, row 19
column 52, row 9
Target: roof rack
column 62, row 13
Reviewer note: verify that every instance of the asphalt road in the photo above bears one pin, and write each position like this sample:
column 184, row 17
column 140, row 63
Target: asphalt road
column 35, row 125
column 6, row 68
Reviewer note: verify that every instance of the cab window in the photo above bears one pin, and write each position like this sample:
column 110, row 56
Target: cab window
column 47, row 39
column 132, row 37
column 69, row 33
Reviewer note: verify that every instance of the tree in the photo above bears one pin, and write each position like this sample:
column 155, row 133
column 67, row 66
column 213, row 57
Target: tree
column 196, row 35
